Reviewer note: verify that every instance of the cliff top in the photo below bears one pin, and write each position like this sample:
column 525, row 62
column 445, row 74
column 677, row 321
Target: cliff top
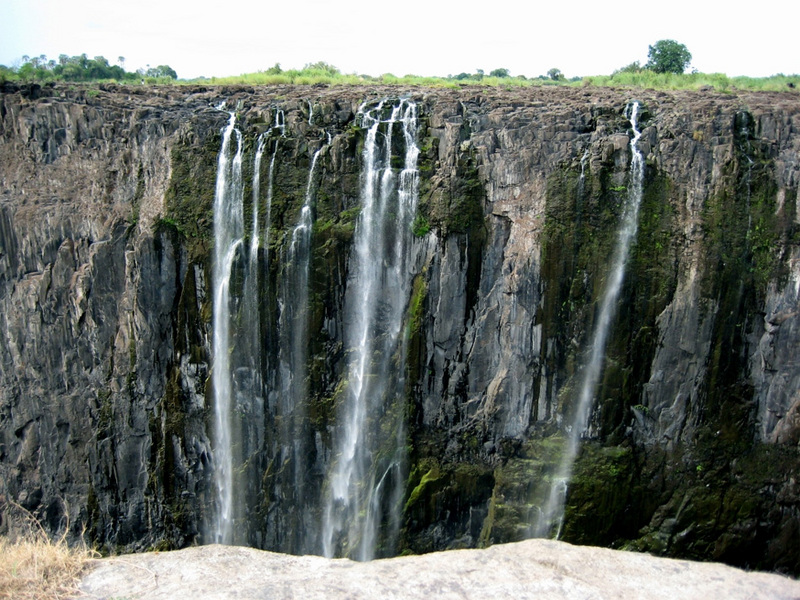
column 137, row 95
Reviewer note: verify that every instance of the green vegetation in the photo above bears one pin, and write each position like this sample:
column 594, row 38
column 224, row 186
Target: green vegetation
column 82, row 68
column 502, row 73
column 664, row 70
column 668, row 56
column 634, row 76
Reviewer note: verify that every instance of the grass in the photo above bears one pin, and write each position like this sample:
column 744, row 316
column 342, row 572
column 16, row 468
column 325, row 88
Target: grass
column 36, row 567
column 639, row 79
column 695, row 81
column 39, row 569
column 325, row 74
column 311, row 77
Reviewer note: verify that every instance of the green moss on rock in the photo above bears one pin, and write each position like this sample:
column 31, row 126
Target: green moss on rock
column 189, row 201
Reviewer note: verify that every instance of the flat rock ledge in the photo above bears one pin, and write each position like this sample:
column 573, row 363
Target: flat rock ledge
column 540, row 569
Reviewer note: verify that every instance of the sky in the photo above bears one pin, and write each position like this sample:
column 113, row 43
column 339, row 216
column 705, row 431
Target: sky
column 419, row 37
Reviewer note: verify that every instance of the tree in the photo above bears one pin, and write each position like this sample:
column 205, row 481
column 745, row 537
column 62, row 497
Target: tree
column 321, row 65
column 634, row 67
column 501, row 73
column 161, row 71
column 555, row 74
column 27, row 72
column 668, row 56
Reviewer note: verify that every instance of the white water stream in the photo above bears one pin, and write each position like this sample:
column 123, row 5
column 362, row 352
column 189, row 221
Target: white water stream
column 228, row 233
column 551, row 517
column 361, row 483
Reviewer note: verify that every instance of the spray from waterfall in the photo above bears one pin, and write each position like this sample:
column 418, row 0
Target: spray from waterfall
column 551, row 517
column 365, row 481
column 228, row 234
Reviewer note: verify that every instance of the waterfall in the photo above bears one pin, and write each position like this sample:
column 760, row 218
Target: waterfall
column 293, row 367
column 251, row 314
column 551, row 517
column 250, row 304
column 280, row 123
column 228, row 233
column 365, row 481
column 582, row 178
column 237, row 383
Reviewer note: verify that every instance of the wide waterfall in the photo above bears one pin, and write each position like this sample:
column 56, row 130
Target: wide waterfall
column 551, row 518
column 361, row 511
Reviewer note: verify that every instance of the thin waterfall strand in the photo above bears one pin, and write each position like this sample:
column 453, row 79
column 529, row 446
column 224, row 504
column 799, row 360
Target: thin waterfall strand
column 552, row 515
column 293, row 357
column 251, row 316
column 228, row 231
column 279, row 124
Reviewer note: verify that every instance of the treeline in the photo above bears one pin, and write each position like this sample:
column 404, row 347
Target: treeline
column 325, row 73
column 82, row 68
column 479, row 75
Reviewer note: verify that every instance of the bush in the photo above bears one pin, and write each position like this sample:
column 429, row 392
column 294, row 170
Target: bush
column 634, row 67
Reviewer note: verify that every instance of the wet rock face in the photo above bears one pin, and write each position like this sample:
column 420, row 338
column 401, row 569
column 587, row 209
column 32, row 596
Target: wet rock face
column 105, row 246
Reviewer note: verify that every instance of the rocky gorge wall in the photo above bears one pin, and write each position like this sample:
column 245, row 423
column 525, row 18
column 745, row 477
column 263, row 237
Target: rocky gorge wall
column 105, row 355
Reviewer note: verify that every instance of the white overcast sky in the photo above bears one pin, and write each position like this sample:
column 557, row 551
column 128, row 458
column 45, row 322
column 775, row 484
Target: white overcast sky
column 421, row 37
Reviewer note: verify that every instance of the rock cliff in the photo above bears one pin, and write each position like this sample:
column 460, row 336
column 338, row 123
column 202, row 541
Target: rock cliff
column 106, row 237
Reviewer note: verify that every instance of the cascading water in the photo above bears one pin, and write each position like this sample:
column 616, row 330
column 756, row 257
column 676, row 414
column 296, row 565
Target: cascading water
column 365, row 481
column 293, row 367
column 238, row 387
column 582, row 178
column 228, row 233
column 280, row 124
column 551, row 517
column 251, row 313
column 250, row 306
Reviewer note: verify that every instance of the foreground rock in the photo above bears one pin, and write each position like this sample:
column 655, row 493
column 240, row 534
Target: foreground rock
column 531, row 569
